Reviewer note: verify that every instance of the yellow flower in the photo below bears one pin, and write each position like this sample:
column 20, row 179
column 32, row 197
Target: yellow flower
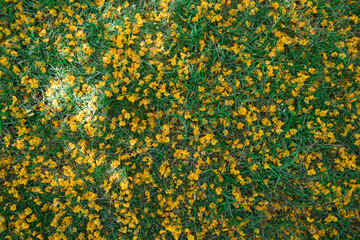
column 53, row 12
column 331, row 218
column 19, row 144
column 133, row 142
column 311, row 172
column 124, row 184
column 258, row 135
column 266, row 166
column 13, row 207
column 132, row 98
column 16, row 70
column 254, row 167
column 7, row 141
column 42, row 33
column 242, row 111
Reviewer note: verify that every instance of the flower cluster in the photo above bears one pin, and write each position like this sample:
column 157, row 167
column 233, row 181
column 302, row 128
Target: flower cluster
column 178, row 119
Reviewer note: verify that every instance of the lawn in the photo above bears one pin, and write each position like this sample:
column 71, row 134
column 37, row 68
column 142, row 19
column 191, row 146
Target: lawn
column 179, row 119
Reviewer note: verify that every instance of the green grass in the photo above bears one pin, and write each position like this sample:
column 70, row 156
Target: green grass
column 179, row 119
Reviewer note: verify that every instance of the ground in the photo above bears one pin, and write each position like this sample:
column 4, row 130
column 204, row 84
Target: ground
column 179, row 119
